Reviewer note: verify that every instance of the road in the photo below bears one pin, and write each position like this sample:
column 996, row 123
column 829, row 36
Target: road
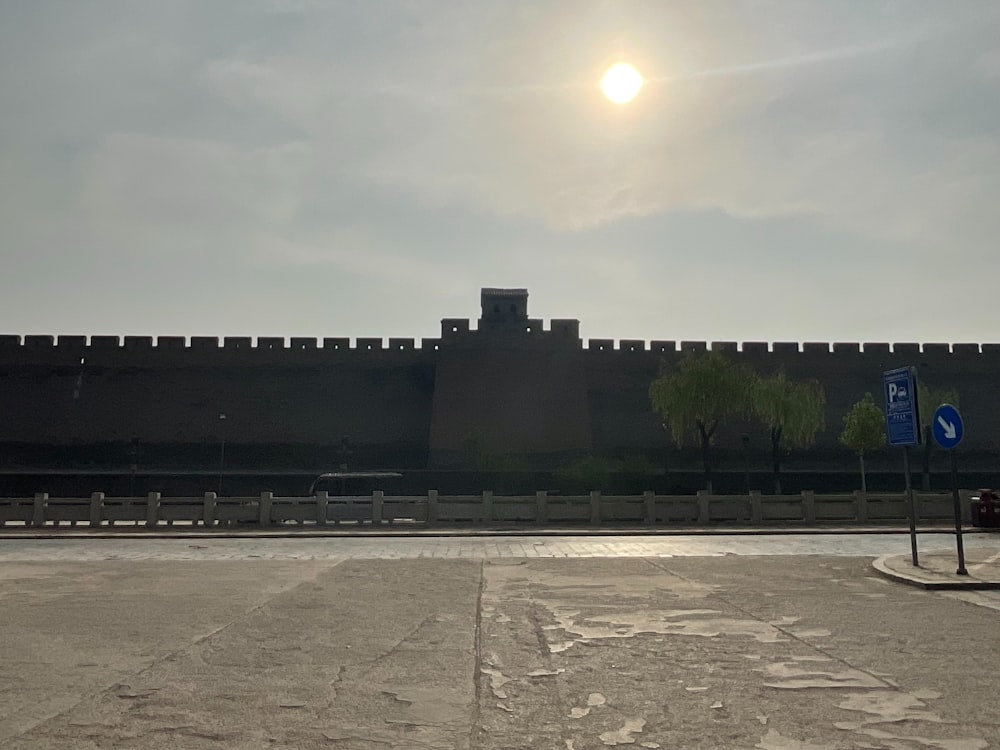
column 490, row 643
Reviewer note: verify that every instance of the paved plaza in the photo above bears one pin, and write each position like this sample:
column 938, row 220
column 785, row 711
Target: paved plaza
column 127, row 546
column 773, row 642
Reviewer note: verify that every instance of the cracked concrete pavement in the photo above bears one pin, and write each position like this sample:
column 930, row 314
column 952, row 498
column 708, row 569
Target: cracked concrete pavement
column 779, row 653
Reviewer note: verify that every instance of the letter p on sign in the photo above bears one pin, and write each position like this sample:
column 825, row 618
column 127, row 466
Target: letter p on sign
column 892, row 392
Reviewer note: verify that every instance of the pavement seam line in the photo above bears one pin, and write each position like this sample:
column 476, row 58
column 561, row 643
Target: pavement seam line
column 807, row 644
column 173, row 654
column 370, row 664
column 986, row 562
column 477, row 667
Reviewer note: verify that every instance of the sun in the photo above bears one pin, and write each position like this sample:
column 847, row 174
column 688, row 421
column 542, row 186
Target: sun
column 621, row 83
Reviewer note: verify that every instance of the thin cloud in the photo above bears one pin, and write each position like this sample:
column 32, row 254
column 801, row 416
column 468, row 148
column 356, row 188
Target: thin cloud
column 789, row 159
column 795, row 61
column 847, row 52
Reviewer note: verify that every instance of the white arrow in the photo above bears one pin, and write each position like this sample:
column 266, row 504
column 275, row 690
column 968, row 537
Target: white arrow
column 949, row 429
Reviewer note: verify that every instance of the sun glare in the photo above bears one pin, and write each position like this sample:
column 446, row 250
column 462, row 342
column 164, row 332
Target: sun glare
column 621, row 83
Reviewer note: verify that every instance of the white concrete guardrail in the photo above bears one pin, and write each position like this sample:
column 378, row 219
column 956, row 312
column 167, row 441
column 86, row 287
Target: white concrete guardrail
column 265, row 510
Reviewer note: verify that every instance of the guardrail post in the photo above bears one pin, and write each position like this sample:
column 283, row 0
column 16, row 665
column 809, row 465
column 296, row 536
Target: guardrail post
column 703, row 497
column 756, row 507
column 541, row 507
column 264, row 517
column 486, row 510
column 377, row 498
column 96, row 505
column 649, row 507
column 322, row 502
column 208, row 516
column 432, row 507
column 966, row 502
column 809, row 506
column 152, row 508
column 38, row 511
column 861, row 506
column 595, row 506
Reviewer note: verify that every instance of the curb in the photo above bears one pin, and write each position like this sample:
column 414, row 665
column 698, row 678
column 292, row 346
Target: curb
column 880, row 567
column 383, row 533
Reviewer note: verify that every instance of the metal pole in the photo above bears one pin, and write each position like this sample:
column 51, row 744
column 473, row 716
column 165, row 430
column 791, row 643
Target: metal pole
column 222, row 448
column 222, row 461
column 745, row 439
column 958, row 515
column 133, row 453
column 911, row 507
column 666, row 451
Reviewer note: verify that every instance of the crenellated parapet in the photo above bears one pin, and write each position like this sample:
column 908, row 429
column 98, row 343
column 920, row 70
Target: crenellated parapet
column 202, row 343
column 792, row 348
column 527, row 332
column 149, row 351
column 454, row 330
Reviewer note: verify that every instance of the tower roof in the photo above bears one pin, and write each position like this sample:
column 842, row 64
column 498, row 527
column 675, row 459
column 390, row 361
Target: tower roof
column 499, row 292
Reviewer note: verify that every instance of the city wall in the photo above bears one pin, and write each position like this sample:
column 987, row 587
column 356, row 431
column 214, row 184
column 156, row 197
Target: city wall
column 619, row 374
column 272, row 392
column 406, row 397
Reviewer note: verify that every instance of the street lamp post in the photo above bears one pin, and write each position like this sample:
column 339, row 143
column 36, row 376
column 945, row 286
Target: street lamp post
column 133, row 451
column 344, row 453
column 666, row 452
column 222, row 450
column 745, row 439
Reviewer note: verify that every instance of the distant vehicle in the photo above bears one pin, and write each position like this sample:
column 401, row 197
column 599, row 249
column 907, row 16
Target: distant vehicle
column 985, row 508
column 353, row 483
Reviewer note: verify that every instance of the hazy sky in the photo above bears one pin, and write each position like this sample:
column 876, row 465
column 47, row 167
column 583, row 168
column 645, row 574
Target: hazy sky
column 810, row 171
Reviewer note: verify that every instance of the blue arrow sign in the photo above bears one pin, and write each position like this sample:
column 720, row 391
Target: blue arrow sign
column 902, row 418
column 947, row 426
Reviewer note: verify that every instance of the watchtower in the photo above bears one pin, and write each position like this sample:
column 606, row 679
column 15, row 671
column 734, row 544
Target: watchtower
column 503, row 309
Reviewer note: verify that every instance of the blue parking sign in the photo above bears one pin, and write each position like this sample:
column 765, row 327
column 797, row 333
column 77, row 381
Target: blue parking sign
column 902, row 414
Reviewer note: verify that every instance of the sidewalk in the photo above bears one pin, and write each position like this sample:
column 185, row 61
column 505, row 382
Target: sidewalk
column 937, row 570
column 409, row 529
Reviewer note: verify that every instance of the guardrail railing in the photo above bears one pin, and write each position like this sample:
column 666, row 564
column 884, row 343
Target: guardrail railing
column 267, row 510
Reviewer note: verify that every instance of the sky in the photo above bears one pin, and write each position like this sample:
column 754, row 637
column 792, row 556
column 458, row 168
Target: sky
column 790, row 171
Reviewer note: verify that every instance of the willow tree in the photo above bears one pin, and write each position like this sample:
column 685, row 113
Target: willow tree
column 703, row 392
column 930, row 399
column 793, row 411
column 864, row 431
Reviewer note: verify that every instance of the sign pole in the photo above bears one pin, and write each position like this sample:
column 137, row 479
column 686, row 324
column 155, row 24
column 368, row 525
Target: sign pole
column 948, row 430
column 958, row 515
column 911, row 507
column 902, row 427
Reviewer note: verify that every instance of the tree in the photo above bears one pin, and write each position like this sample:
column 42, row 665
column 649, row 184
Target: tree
column 705, row 390
column 584, row 475
column 793, row 411
column 864, row 431
column 929, row 400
